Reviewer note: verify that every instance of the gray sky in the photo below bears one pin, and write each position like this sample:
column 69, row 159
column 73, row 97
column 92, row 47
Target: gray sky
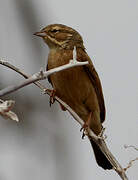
column 47, row 142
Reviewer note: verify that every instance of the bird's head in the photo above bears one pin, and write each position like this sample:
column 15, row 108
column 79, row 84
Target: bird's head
column 60, row 36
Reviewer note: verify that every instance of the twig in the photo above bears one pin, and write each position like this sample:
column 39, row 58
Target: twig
column 39, row 76
column 128, row 146
column 131, row 161
column 6, row 64
column 130, row 164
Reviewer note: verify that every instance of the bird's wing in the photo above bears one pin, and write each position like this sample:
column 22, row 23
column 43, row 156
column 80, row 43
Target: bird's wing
column 90, row 70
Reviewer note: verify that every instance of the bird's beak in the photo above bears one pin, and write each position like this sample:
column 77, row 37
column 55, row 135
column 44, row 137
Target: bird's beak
column 40, row 34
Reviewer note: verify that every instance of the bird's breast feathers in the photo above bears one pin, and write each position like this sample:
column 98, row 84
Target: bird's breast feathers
column 72, row 83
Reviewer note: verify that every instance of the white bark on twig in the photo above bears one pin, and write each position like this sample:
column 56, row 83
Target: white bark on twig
column 39, row 76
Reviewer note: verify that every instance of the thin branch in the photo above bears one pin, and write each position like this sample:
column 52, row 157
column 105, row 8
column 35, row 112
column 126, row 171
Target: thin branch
column 39, row 76
column 128, row 146
column 6, row 64
column 10, row 66
column 40, row 85
column 130, row 164
column 131, row 161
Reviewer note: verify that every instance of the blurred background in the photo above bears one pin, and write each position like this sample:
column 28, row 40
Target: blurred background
column 46, row 143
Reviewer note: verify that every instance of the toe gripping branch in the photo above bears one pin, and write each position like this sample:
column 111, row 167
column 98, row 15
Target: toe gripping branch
column 52, row 96
column 86, row 126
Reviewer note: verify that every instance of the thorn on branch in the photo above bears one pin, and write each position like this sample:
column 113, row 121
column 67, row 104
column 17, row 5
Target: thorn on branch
column 74, row 60
column 130, row 164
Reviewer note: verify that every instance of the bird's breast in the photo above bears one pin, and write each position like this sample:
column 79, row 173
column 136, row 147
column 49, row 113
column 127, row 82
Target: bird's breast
column 73, row 85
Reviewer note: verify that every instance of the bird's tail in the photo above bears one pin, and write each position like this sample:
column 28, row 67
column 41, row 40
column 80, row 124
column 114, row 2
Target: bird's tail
column 100, row 157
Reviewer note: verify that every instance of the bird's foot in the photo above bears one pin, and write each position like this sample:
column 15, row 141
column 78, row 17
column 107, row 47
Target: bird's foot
column 86, row 126
column 84, row 129
column 63, row 107
column 52, row 96
column 101, row 135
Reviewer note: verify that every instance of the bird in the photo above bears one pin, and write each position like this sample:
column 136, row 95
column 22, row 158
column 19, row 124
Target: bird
column 79, row 87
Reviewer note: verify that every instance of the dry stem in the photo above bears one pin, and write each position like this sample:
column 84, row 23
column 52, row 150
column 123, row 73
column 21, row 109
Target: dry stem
column 38, row 76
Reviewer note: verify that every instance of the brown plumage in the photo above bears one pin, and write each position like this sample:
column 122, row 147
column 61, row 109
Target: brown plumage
column 79, row 87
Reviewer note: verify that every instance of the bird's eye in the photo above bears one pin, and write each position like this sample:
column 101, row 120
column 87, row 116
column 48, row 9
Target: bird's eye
column 55, row 30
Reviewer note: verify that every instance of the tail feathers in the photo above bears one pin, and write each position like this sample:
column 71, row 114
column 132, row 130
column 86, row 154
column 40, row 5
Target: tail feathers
column 100, row 157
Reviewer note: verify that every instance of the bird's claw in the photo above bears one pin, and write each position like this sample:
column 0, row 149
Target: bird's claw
column 101, row 135
column 52, row 96
column 86, row 126
column 62, row 107
column 84, row 130
column 102, row 132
